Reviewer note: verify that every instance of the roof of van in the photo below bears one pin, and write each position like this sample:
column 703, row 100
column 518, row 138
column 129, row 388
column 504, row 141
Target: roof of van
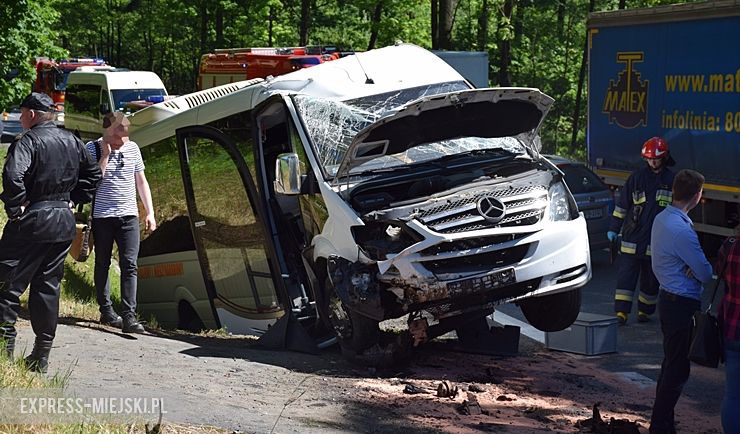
column 368, row 73
column 119, row 78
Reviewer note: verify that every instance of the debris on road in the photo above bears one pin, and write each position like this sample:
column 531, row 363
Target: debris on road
column 412, row 389
column 614, row 426
column 445, row 389
column 471, row 406
column 476, row 388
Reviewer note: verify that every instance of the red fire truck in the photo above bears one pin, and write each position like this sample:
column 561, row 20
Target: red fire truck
column 236, row 64
column 51, row 75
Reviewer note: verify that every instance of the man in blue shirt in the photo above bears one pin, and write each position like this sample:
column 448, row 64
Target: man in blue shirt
column 681, row 268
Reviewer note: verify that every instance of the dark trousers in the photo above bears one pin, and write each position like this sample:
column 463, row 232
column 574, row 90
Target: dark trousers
column 125, row 232
column 675, row 323
column 630, row 268
column 23, row 262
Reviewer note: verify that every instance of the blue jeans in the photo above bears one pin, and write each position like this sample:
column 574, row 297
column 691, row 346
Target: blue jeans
column 124, row 231
column 731, row 403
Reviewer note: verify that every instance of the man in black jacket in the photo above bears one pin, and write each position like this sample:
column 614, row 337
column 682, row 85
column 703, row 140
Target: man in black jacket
column 47, row 170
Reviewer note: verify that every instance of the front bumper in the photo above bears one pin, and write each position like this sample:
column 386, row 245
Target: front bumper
column 553, row 259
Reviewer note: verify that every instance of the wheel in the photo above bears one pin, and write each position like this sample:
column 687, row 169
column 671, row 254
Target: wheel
column 354, row 332
column 552, row 313
column 188, row 319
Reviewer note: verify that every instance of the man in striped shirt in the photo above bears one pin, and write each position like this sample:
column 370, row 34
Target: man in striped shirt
column 116, row 218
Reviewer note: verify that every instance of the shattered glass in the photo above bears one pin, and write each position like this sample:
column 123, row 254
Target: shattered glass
column 333, row 124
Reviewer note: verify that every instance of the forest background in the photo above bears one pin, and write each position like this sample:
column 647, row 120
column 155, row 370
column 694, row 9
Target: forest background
column 530, row 43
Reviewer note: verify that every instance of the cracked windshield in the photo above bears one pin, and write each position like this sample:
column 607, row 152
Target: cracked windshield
column 333, row 124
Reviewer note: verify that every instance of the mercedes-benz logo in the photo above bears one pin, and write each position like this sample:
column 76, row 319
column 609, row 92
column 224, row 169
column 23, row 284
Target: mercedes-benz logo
column 491, row 209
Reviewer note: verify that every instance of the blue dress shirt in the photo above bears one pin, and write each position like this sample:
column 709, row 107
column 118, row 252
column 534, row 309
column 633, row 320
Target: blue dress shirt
column 675, row 249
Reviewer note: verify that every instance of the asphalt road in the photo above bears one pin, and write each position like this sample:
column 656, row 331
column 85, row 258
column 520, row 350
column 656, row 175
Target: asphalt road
column 639, row 345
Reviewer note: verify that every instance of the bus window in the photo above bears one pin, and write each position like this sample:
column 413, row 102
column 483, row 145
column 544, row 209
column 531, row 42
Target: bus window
column 173, row 232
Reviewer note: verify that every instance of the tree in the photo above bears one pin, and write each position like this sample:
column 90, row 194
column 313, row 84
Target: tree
column 505, row 35
column 26, row 31
column 446, row 19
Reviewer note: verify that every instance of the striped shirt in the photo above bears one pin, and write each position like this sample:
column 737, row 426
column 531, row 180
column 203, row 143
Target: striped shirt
column 116, row 194
column 729, row 309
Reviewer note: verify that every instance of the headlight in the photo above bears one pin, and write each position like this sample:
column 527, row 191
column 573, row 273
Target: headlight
column 559, row 202
column 378, row 239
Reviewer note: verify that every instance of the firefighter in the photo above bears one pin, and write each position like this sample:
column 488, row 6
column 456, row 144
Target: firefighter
column 46, row 171
column 646, row 193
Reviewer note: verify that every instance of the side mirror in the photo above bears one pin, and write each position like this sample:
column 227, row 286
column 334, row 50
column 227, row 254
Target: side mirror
column 104, row 108
column 287, row 174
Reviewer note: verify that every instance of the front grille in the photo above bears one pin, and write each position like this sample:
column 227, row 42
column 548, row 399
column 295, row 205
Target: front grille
column 459, row 213
column 470, row 243
column 479, row 263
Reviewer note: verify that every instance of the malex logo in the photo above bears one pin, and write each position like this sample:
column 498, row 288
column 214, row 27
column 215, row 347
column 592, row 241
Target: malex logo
column 626, row 100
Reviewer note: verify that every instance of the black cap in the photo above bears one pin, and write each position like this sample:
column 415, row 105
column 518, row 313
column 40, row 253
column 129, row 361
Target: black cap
column 38, row 101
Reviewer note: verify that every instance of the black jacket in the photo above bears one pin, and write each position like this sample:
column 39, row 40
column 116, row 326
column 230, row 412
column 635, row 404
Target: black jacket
column 45, row 168
column 643, row 196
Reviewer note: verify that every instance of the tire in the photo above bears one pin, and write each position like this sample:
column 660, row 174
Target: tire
column 188, row 319
column 552, row 313
column 354, row 332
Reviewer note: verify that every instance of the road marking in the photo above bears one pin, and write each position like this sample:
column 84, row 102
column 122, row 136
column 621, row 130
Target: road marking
column 638, row 379
column 525, row 329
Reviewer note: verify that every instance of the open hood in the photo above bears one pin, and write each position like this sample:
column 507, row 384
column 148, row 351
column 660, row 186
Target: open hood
column 494, row 112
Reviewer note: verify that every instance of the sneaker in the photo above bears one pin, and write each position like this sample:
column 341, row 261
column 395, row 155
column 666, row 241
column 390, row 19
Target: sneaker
column 130, row 325
column 643, row 317
column 111, row 319
column 622, row 317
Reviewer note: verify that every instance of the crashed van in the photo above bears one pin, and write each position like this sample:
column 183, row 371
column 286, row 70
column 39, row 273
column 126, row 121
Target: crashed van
column 377, row 186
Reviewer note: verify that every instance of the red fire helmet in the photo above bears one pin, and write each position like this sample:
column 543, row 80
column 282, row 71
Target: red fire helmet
column 655, row 147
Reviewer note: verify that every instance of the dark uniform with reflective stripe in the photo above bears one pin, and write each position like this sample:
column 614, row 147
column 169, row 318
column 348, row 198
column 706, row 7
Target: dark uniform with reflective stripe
column 45, row 168
column 643, row 196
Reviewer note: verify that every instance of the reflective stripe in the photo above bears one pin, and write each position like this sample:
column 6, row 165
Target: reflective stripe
column 664, row 197
column 623, row 295
column 638, row 197
column 628, row 247
column 619, row 213
column 646, row 299
column 647, row 251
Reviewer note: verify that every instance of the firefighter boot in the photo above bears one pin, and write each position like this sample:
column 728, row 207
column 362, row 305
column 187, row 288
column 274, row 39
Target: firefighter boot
column 7, row 340
column 643, row 317
column 38, row 360
column 622, row 317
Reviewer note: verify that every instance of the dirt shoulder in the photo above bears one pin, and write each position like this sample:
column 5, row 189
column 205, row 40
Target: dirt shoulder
column 229, row 383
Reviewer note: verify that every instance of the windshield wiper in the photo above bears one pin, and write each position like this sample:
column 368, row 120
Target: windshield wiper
column 502, row 154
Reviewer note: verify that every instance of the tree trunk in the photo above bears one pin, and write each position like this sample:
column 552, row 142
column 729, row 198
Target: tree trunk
column 305, row 18
column 219, row 26
column 581, row 79
column 622, row 4
column 375, row 24
column 483, row 26
column 561, row 17
column 435, row 24
column 119, row 42
column 203, row 27
column 446, row 19
column 505, row 48
column 269, row 27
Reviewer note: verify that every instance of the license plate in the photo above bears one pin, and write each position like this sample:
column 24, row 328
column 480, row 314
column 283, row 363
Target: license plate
column 595, row 213
column 482, row 283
